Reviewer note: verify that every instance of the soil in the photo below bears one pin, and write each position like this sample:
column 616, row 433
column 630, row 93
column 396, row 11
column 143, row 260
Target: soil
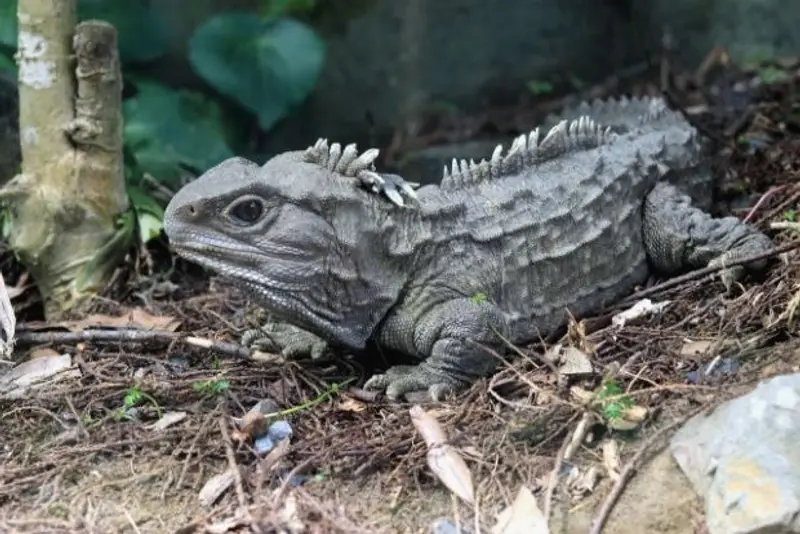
column 74, row 458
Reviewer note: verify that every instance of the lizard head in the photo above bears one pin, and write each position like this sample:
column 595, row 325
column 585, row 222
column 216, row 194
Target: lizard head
column 299, row 237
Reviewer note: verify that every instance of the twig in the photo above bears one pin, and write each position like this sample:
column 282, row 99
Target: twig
column 619, row 485
column 232, row 465
column 700, row 273
column 568, row 448
column 771, row 192
column 131, row 335
column 785, row 225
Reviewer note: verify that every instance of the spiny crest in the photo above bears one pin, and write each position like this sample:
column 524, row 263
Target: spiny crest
column 527, row 151
column 350, row 164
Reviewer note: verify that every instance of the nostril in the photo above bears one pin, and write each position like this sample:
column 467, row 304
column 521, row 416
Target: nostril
column 192, row 210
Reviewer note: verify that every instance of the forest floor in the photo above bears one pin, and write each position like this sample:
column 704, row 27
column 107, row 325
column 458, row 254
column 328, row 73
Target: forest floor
column 83, row 454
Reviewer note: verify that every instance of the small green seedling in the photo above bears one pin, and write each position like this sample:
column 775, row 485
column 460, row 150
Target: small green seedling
column 212, row 387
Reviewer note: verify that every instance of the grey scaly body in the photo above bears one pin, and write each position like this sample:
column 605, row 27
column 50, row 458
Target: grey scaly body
column 569, row 218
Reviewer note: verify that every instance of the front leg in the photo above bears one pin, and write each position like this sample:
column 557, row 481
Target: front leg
column 286, row 339
column 450, row 335
column 678, row 236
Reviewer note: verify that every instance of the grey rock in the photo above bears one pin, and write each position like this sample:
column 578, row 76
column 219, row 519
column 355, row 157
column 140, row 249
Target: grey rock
column 567, row 218
column 744, row 459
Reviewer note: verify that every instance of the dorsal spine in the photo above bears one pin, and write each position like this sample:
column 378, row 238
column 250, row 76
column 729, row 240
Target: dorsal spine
column 527, row 151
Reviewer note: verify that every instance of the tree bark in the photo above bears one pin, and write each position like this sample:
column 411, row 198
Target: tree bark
column 67, row 202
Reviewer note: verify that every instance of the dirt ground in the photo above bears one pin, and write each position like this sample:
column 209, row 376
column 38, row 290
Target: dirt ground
column 76, row 458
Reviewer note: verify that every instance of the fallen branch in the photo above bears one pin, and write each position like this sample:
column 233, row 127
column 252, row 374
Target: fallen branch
column 132, row 335
column 701, row 273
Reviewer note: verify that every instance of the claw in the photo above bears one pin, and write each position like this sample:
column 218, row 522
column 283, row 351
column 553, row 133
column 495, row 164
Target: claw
column 392, row 186
column 402, row 380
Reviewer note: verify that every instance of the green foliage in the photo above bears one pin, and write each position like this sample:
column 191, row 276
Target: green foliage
column 149, row 213
column 212, row 387
column 8, row 67
column 479, row 298
column 133, row 397
column 267, row 63
column 8, row 23
column 280, row 8
column 612, row 400
column 132, row 18
column 267, row 66
column 142, row 33
column 167, row 131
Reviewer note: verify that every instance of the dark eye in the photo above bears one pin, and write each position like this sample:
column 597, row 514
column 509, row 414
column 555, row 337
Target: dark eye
column 247, row 211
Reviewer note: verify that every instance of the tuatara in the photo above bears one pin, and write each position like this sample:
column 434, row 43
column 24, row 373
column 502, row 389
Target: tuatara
column 570, row 217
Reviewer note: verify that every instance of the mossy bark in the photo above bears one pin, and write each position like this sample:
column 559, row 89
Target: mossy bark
column 70, row 194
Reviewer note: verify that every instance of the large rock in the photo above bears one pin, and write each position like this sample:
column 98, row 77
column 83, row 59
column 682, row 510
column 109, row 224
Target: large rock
column 744, row 459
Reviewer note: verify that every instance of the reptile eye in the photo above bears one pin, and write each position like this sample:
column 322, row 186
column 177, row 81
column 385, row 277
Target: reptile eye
column 247, row 211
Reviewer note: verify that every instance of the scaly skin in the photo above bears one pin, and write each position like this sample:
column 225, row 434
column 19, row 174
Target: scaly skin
column 571, row 220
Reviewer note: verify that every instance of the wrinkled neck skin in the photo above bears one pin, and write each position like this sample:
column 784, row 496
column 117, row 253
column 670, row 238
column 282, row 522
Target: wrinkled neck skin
column 340, row 278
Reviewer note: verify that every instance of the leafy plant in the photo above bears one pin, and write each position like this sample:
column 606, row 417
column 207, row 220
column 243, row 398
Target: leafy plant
column 280, row 8
column 132, row 398
column 168, row 131
column 133, row 19
column 268, row 65
column 612, row 401
column 211, row 387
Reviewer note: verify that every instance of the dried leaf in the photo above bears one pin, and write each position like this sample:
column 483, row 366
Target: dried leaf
column 18, row 381
column 695, row 348
column 581, row 395
column 428, row 427
column 635, row 414
column 134, row 318
column 638, row 311
column 611, row 459
column 8, row 322
column 586, row 482
column 522, row 517
column 349, row 404
column 575, row 362
column 252, row 425
column 443, row 459
column 168, row 419
column 630, row 418
column 215, row 487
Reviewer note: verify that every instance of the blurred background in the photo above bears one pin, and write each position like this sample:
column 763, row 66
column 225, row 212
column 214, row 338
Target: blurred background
column 421, row 80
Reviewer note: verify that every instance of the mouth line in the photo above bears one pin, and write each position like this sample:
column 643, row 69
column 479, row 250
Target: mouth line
column 214, row 263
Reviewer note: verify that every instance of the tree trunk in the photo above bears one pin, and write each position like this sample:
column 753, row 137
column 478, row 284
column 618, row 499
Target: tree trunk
column 67, row 202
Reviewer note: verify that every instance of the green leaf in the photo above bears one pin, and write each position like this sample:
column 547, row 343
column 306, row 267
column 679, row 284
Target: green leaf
column 278, row 8
column 8, row 66
column 149, row 214
column 8, row 23
column 268, row 67
column 132, row 19
column 142, row 31
column 167, row 130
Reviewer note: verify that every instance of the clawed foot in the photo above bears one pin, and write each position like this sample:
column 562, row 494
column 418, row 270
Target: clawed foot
column 400, row 380
column 728, row 275
column 393, row 186
column 288, row 340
